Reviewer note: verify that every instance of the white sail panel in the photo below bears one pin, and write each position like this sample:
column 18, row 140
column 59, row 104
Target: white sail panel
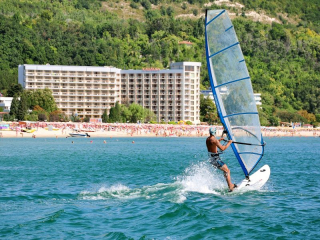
column 232, row 89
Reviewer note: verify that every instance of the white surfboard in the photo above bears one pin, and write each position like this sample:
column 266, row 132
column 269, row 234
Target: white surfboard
column 256, row 180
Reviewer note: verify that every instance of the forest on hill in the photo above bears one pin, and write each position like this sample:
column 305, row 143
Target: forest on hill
column 283, row 58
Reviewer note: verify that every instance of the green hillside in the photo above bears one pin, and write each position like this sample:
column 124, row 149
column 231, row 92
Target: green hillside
column 282, row 51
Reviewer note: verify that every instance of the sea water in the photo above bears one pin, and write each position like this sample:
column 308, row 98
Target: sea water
column 154, row 188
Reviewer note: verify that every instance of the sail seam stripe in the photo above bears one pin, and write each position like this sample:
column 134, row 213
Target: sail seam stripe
column 235, row 114
column 222, row 50
column 215, row 17
column 228, row 28
column 250, row 153
column 231, row 82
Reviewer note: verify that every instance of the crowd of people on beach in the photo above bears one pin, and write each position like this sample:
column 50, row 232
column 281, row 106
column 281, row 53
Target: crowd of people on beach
column 290, row 132
column 163, row 130
column 158, row 130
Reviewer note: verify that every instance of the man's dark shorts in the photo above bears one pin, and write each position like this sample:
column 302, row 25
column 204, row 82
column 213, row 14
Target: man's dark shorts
column 215, row 160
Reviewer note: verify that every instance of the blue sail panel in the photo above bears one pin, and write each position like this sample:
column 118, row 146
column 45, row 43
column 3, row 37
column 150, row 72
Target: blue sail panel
column 232, row 89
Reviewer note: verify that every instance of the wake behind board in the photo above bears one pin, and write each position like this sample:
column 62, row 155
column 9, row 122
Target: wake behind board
column 256, row 180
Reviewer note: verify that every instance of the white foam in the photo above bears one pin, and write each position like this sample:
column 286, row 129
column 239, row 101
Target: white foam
column 93, row 198
column 118, row 188
column 202, row 178
column 104, row 192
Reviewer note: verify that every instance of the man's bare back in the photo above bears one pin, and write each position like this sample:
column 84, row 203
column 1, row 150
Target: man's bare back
column 213, row 144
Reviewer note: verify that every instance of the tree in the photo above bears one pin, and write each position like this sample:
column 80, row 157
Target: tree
column 146, row 4
column 86, row 119
column 287, row 116
column 31, row 117
column 115, row 113
column 170, row 11
column 309, row 117
column 134, row 5
column 274, row 121
column 42, row 98
column 263, row 118
column 137, row 112
column 58, row 116
column 208, row 110
column 42, row 117
column 74, row 117
column 195, row 12
column 149, row 116
column 14, row 107
column 15, row 90
column 8, row 117
column 49, row 102
column 277, row 32
column 125, row 113
column 23, row 107
column 105, row 117
column 40, row 112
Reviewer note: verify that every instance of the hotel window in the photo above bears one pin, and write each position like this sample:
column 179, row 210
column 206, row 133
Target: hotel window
column 189, row 68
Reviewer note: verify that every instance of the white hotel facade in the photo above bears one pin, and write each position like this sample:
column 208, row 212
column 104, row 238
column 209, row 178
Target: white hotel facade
column 172, row 94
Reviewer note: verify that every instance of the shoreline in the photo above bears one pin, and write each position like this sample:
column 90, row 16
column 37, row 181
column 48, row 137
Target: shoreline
column 62, row 130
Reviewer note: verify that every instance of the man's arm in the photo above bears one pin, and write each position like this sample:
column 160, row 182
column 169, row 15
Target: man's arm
column 221, row 147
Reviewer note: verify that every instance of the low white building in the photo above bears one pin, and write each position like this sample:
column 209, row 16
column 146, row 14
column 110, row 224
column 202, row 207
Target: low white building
column 208, row 94
column 5, row 103
column 257, row 97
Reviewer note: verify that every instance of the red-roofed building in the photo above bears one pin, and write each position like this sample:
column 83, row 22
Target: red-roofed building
column 186, row 43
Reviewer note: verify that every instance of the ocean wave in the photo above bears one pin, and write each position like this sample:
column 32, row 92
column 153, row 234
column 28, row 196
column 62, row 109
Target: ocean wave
column 200, row 177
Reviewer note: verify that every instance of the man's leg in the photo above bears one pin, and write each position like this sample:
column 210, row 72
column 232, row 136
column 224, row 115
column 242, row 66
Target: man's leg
column 227, row 176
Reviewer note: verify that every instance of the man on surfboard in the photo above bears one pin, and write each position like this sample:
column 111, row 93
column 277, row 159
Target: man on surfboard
column 213, row 144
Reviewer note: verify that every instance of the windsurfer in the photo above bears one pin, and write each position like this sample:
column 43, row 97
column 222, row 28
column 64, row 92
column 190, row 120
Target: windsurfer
column 213, row 144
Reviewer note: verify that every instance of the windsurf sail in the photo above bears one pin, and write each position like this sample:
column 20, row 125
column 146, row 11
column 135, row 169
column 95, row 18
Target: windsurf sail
column 232, row 89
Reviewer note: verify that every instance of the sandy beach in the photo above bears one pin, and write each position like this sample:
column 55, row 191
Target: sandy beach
column 62, row 130
column 59, row 130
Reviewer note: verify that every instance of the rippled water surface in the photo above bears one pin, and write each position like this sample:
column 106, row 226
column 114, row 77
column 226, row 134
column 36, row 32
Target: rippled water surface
column 155, row 188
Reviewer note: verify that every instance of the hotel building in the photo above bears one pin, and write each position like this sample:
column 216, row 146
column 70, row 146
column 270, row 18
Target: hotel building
column 82, row 91
column 172, row 94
